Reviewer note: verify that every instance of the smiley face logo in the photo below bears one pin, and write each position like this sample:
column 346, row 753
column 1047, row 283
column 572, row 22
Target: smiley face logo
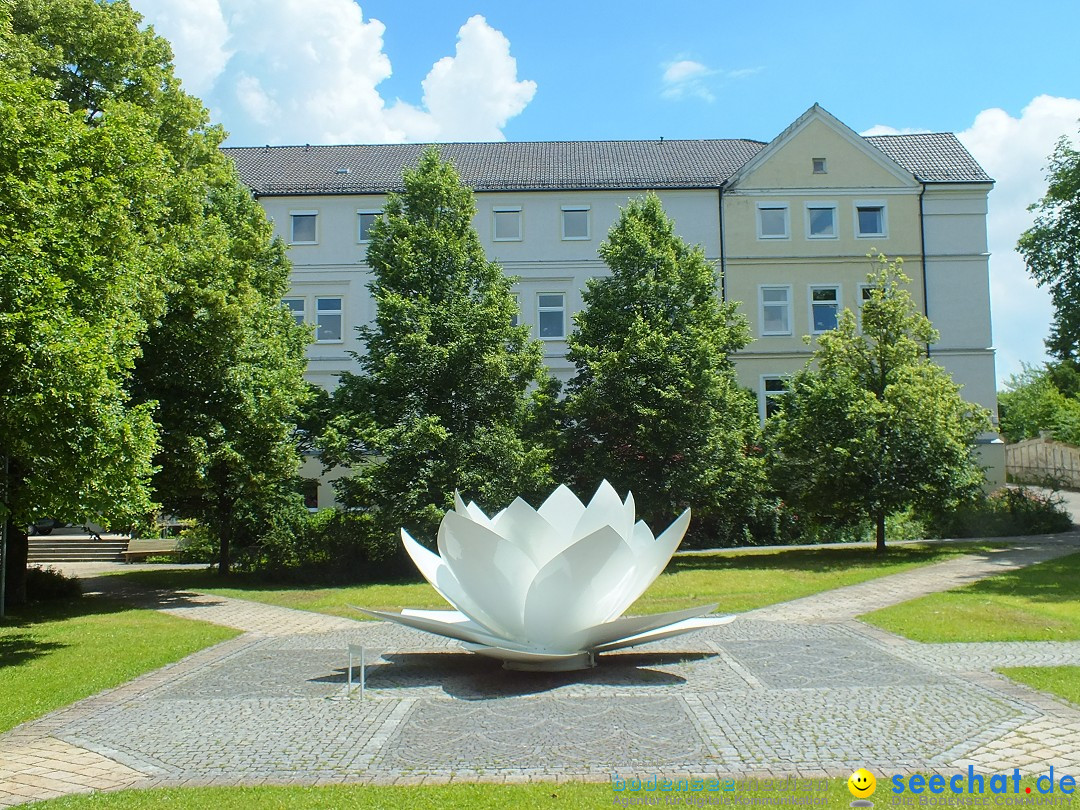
column 862, row 784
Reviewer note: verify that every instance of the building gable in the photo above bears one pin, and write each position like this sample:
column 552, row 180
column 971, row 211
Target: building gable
column 818, row 151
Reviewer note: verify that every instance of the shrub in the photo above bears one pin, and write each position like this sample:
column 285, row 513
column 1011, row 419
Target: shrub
column 1008, row 512
column 48, row 583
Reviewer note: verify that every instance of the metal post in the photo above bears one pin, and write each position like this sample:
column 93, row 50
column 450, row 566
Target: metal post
column 353, row 650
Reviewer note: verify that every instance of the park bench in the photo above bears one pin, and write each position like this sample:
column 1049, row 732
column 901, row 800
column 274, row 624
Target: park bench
column 140, row 549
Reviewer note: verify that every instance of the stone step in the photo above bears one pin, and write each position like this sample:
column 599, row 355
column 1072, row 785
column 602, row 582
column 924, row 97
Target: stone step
column 75, row 551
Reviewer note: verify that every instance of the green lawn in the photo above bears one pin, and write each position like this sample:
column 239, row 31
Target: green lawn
column 1037, row 603
column 737, row 581
column 52, row 655
column 1061, row 681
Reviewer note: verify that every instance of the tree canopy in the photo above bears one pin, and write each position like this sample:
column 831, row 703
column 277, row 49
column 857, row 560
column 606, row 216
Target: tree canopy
column 1051, row 249
column 442, row 400
column 654, row 406
column 871, row 426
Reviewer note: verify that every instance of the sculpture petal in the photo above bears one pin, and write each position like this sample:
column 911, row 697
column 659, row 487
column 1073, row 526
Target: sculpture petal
column 448, row 628
column 527, row 529
column 629, row 626
column 677, row 629
column 651, row 559
column 576, row 589
column 562, row 510
column 494, row 573
column 605, row 509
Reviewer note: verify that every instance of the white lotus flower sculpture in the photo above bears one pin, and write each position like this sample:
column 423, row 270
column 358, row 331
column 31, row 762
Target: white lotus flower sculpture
column 544, row 588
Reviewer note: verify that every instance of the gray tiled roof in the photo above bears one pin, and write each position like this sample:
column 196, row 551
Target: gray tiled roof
column 558, row 165
column 933, row 157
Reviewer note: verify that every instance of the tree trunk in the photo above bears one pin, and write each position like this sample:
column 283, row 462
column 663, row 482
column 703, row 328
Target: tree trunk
column 18, row 547
column 879, row 520
column 225, row 531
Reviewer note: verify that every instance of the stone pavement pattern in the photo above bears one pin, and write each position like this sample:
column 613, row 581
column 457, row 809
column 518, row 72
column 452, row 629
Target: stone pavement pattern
column 798, row 688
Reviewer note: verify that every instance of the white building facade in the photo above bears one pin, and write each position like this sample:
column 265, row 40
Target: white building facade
column 789, row 223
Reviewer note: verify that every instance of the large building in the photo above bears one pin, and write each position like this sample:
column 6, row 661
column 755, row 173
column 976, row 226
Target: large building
column 789, row 223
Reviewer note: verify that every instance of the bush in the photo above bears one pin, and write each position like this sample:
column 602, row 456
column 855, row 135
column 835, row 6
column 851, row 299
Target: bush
column 48, row 583
column 1008, row 512
column 196, row 544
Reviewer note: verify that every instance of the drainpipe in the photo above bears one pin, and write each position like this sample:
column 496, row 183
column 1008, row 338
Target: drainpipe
column 922, row 254
column 723, row 263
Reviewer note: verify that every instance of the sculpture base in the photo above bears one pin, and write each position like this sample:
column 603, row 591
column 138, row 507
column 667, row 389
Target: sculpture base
column 570, row 663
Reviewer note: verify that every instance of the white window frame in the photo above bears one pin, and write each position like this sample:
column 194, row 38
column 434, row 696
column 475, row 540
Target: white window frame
column 810, row 304
column 761, row 309
column 587, row 210
column 884, row 219
column 340, row 311
column 824, row 165
column 362, row 212
column 765, row 205
column 292, row 226
column 821, row 205
column 505, row 209
column 302, row 312
column 561, row 309
column 764, row 393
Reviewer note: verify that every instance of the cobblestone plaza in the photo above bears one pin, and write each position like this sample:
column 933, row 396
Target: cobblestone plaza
column 799, row 688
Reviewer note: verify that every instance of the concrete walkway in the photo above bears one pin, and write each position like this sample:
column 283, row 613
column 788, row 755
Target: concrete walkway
column 799, row 688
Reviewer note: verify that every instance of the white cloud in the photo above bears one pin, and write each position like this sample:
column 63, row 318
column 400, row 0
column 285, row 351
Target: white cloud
column 471, row 95
column 686, row 78
column 293, row 71
column 1014, row 152
column 197, row 31
column 882, row 129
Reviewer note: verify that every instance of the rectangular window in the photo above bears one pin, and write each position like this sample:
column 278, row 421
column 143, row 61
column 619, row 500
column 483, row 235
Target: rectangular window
column 551, row 316
column 869, row 219
column 575, row 222
column 507, row 224
column 772, row 220
column 296, row 308
column 819, row 166
column 821, row 220
column 515, row 319
column 364, row 221
column 310, row 489
column 328, row 314
column 303, row 227
column 772, row 388
column 775, row 310
column 824, row 307
column 864, row 296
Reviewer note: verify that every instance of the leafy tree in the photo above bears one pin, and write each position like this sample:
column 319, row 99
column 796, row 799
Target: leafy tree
column 442, row 401
column 1051, row 249
column 1033, row 403
column 77, row 284
column 221, row 367
column 871, row 426
column 654, row 406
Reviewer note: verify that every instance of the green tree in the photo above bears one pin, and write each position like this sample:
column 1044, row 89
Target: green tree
column 871, row 426
column 654, row 406
column 1051, row 249
column 78, row 282
column 442, row 401
column 222, row 361
column 1032, row 404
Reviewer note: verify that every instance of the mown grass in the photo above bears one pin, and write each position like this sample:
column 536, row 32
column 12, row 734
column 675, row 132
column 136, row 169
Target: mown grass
column 736, row 581
column 54, row 654
column 1061, row 681
column 1037, row 603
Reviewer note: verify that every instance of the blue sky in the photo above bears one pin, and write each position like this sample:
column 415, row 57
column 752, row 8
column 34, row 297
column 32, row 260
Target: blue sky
column 1004, row 77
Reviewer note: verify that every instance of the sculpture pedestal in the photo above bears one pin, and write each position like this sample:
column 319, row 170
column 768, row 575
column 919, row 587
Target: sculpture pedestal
column 571, row 663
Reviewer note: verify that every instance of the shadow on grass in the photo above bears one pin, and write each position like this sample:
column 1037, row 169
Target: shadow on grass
column 1051, row 581
column 61, row 609
column 471, row 677
column 22, row 647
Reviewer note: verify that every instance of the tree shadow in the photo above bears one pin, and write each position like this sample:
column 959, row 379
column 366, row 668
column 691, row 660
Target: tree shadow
column 1051, row 581
column 19, row 648
column 467, row 676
